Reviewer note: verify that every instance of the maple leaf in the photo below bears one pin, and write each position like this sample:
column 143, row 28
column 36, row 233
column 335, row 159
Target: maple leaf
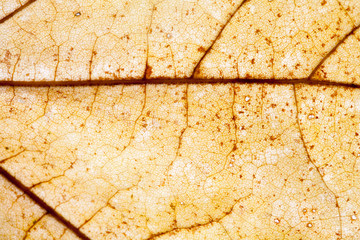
column 179, row 119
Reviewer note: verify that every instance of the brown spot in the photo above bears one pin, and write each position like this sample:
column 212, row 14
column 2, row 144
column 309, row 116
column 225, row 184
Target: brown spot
column 334, row 94
column 148, row 71
column 6, row 59
column 201, row 49
column 7, row 55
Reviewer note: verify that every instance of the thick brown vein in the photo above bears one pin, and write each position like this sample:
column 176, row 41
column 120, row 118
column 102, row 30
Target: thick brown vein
column 42, row 204
column 22, row 7
column 304, row 81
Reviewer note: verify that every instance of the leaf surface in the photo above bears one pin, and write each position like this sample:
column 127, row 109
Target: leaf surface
column 22, row 218
column 266, row 147
column 8, row 7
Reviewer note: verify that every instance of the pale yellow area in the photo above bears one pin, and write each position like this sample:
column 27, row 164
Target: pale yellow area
column 352, row 7
column 18, row 212
column 278, row 39
column 65, row 40
column 144, row 161
column 180, row 161
column 82, row 40
column 49, row 228
column 52, row 40
column 343, row 65
column 22, row 218
column 9, row 6
column 181, row 32
column 330, row 122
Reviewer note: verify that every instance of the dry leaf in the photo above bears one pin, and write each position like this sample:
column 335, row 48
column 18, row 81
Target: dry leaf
column 266, row 147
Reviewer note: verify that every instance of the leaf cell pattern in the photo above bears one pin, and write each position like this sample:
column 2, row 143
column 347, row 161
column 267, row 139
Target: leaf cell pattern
column 180, row 119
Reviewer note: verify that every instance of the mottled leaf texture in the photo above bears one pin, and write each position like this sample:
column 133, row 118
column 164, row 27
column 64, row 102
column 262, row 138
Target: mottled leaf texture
column 197, row 119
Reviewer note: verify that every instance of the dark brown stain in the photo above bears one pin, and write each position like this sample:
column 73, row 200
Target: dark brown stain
column 42, row 204
column 6, row 59
column 148, row 71
column 201, row 49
